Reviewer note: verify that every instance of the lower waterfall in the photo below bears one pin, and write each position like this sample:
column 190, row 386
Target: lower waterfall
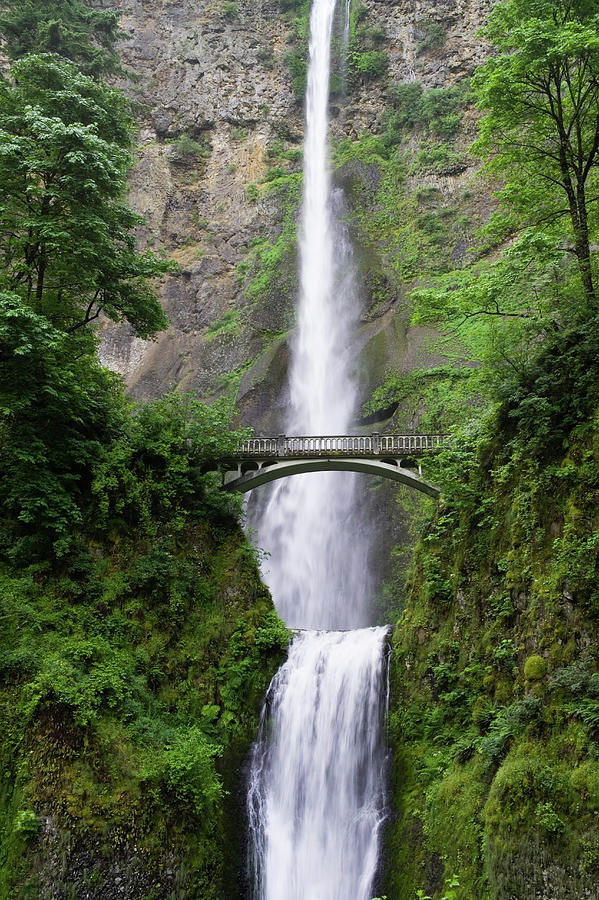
column 316, row 795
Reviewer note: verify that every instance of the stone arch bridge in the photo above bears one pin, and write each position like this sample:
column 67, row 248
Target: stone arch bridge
column 398, row 457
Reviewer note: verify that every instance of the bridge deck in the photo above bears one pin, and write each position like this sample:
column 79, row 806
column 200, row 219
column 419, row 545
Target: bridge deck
column 374, row 446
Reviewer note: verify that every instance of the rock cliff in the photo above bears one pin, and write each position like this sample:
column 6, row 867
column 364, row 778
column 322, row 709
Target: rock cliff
column 217, row 178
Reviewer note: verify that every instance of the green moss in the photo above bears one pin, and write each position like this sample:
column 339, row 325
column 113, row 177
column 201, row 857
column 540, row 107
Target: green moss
column 498, row 775
column 229, row 326
column 535, row 668
column 128, row 691
column 269, row 269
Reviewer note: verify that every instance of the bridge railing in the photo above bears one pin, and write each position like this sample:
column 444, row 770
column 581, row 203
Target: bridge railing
column 356, row 445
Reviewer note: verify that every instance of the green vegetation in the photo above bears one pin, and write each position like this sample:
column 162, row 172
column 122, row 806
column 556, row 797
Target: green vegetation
column 495, row 719
column 494, row 677
column 406, row 229
column 366, row 60
column 269, row 268
column 433, row 35
column 297, row 63
column 231, row 10
column 68, row 255
column 437, row 110
column 540, row 131
column 228, row 326
column 370, row 64
column 136, row 639
column 132, row 676
column 187, row 150
column 70, row 28
column 68, row 249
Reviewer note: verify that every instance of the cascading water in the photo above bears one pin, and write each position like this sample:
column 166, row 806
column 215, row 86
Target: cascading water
column 316, row 791
column 315, row 801
column 318, row 569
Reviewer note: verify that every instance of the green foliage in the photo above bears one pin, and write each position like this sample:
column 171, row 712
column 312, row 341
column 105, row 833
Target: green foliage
column 136, row 639
column 26, row 823
column 152, row 473
column 299, row 7
column 187, row 149
column 68, row 243
column 433, row 38
column 230, row 10
column 540, row 133
column 438, row 158
column 129, row 692
column 70, row 28
column 371, row 35
column 271, row 265
column 297, row 64
column 274, row 172
column 58, row 409
column 370, row 64
column 495, row 715
column 184, row 772
column 439, row 110
column 449, row 893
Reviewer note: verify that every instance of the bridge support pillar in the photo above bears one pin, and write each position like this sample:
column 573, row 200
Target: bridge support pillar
column 281, row 444
column 375, row 442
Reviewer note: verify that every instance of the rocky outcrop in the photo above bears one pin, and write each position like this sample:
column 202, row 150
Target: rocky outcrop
column 213, row 93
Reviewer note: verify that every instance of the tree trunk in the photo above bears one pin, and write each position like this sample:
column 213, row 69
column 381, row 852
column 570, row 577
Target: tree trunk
column 582, row 246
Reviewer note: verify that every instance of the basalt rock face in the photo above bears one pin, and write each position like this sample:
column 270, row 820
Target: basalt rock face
column 218, row 181
column 213, row 92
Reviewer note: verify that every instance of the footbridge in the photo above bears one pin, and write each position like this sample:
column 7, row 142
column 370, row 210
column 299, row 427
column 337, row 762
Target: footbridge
column 397, row 457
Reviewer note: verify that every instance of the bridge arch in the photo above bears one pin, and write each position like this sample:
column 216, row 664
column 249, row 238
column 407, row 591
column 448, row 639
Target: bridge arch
column 244, row 479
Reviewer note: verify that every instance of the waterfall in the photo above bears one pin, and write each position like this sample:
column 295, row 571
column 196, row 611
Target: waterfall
column 316, row 790
column 315, row 800
column 319, row 561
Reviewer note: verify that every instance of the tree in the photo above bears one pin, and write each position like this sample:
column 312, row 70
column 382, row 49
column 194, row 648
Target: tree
column 541, row 128
column 67, row 254
column 68, row 246
column 67, row 27
column 58, row 408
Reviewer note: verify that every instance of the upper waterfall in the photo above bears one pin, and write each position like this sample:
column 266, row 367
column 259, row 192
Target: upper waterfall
column 318, row 574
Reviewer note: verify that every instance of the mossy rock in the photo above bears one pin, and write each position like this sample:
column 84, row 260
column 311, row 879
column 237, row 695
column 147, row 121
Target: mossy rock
column 535, row 668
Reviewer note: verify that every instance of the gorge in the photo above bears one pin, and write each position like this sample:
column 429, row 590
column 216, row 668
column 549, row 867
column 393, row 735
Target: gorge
column 356, row 225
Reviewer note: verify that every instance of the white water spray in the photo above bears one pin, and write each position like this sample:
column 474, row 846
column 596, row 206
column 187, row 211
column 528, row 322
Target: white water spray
column 315, row 803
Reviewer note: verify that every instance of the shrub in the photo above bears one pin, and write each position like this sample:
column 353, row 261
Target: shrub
column 230, row 10
column 186, row 148
column 184, row 772
column 371, row 64
column 439, row 110
column 406, row 100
